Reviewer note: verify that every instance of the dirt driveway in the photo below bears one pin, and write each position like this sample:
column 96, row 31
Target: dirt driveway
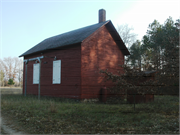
column 9, row 127
column 10, row 90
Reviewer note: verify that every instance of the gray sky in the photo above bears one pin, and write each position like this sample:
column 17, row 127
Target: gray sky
column 25, row 23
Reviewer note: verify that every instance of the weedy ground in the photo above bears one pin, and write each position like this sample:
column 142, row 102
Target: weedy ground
column 58, row 115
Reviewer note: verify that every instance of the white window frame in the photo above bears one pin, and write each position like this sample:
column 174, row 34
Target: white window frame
column 56, row 75
column 36, row 73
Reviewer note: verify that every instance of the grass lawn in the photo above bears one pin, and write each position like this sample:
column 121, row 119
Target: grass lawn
column 55, row 116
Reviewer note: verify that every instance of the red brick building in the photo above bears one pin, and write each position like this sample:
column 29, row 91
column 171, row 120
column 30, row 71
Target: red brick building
column 70, row 62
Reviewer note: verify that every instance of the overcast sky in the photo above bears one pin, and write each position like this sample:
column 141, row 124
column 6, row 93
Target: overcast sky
column 25, row 23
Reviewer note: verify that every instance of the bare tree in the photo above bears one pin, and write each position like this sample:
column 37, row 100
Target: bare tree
column 126, row 34
column 8, row 65
column 1, row 78
column 11, row 67
column 2, row 75
column 20, row 71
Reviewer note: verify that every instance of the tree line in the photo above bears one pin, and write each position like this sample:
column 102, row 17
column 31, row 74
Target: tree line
column 11, row 71
column 158, row 51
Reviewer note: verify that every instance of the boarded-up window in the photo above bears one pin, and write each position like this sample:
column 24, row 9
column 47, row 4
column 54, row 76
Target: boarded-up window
column 36, row 73
column 57, row 72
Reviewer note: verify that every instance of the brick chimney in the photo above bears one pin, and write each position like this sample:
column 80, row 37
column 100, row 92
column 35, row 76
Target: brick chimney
column 102, row 15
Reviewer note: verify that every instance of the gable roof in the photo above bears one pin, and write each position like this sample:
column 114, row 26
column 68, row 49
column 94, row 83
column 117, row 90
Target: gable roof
column 75, row 36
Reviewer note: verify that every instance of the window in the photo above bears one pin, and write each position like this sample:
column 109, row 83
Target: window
column 56, row 72
column 36, row 73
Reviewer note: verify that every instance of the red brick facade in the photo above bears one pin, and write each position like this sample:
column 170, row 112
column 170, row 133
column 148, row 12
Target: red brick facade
column 80, row 64
column 99, row 51
column 70, row 73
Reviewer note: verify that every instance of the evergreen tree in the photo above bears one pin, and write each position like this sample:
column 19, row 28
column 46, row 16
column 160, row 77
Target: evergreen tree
column 10, row 82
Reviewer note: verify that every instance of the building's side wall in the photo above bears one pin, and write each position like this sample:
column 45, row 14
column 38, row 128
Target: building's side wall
column 70, row 73
column 99, row 51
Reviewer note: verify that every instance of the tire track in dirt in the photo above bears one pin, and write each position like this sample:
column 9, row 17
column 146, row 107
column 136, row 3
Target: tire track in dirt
column 7, row 128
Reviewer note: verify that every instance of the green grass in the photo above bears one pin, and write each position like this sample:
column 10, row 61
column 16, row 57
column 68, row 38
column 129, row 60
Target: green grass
column 57, row 115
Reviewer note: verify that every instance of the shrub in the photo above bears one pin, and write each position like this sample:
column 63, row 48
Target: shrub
column 10, row 82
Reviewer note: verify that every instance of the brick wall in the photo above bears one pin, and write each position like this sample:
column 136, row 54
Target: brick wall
column 70, row 73
column 99, row 51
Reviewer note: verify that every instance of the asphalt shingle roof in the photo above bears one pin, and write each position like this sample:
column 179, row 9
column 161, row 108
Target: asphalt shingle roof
column 72, row 37
column 68, row 38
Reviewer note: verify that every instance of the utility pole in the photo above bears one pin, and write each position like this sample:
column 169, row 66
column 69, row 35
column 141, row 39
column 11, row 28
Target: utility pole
column 26, row 62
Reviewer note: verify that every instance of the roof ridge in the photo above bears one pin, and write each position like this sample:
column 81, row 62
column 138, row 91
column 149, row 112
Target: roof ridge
column 99, row 28
column 78, row 29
